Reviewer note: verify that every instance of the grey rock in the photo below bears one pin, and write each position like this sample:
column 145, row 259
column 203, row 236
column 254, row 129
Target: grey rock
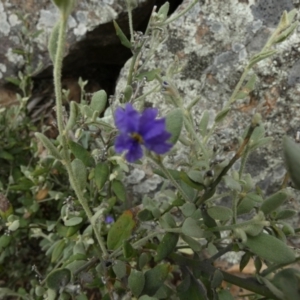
column 213, row 43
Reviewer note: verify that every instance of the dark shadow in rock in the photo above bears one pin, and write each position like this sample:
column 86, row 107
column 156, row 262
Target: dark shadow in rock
column 97, row 58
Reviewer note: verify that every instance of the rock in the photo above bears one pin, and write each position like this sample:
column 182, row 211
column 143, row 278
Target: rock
column 213, row 43
column 93, row 51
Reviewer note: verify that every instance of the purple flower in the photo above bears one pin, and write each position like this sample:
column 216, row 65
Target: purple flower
column 137, row 129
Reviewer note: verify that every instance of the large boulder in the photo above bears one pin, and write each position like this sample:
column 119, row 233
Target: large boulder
column 213, row 43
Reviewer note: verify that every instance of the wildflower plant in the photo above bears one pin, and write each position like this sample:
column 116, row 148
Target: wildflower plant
column 100, row 243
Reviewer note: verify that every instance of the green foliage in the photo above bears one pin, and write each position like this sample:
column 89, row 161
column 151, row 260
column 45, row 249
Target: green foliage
column 69, row 215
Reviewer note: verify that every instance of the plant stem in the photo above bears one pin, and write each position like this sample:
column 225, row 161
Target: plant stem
column 237, row 155
column 206, row 267
column 59, row 114
column 169, row 176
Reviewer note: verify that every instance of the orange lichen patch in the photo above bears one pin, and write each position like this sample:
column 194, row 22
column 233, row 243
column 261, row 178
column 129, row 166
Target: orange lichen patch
column 200, row 33
column 211, row 79
column 41, row 194
column 253, row 102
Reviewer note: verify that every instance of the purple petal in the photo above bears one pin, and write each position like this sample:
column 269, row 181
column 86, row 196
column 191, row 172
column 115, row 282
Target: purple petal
column 123, row 142
column 134, row 153
column 127, row 120
column 159, row 144
column 153, row 129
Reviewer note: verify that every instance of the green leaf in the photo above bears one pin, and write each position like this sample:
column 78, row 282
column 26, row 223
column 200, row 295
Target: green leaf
column 154, row 278
column 286, row 214
column 73, row 116
column 99, row 101
column 52, row 43
column 245, row 260
column 79, row 171
column 217, row 279
column 121, row 230
column 166, row 246
column 192, row 228
column 6, row 155
column 48, row 145
column 287, row 281
column 119, row 189
column 58, row 278
column 57, row 250
column 195, row 245
column 124, row 40
column 149, row 75
column 204, row 123
column 65, row 6
column 188, row 209
column 127, row 93
column 128, row 250
column 81, row 153
column 5, row 241
column 260, row 56
column 174, row 121
column 145, row 215
column 270, row 248
column 221, row 213
column 136, row 282
column 193, row 289
column 186, row 179
column 73, row 221
column 222, row 115
column 232, row 183
column 163, row 12
column 225, row 295
column 273, row 202
column 119, row 268
column 101, row 174
column 291, row 153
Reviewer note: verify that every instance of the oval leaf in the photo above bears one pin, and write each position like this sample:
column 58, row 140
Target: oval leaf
column 120, row 230
column 221, row 213
column 270, row 248
column 292, row 160
column 174, row 121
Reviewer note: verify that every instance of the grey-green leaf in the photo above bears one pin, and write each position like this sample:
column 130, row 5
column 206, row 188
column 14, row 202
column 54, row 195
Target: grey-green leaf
column 124, row 40
column 136, row 282
column 58, row 278
column 270, row 248
column 79, row 170
column 291, row 153
column 191, row 228
column 174, row 121
column 221, row 213
column 98, row 102
column 273, row 202
column 48, row 145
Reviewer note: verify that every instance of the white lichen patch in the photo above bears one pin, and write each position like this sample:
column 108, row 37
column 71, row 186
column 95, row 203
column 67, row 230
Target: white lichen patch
column 4, row 25
column 14, row 58
column 13, row 20
column 2, row 70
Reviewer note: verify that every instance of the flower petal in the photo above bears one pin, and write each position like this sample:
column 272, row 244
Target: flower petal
column 159, row 144
column 123, row 142
column 134, row 153
column 127, row 120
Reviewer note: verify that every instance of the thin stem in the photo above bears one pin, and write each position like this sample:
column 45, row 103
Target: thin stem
column 169, row 176
column 237, row 155
column 129, row 8
column 206, row 267
column 190, row 128
column 170, row 20
column 59, row 114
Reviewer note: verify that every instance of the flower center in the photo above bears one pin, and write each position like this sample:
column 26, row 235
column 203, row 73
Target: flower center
column 137, row 137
